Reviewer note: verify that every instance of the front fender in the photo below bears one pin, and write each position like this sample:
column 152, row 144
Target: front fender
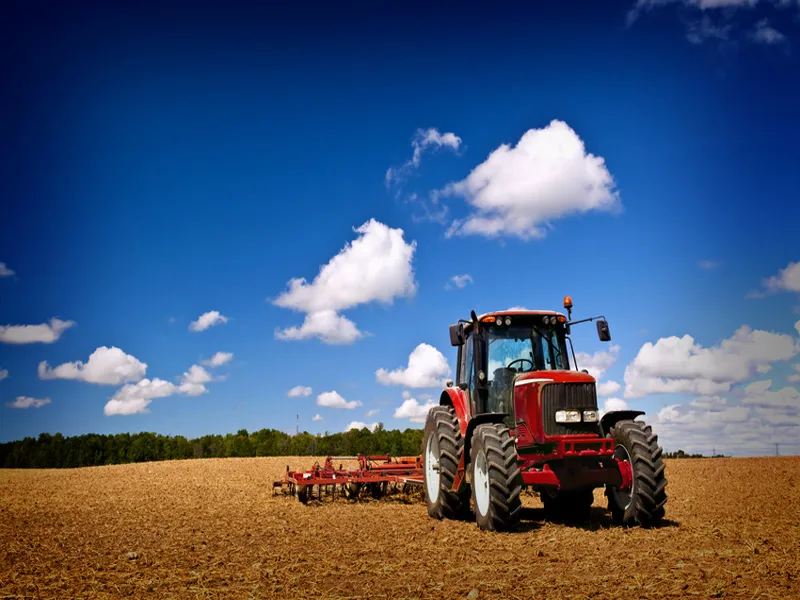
column 456, row 398
column 608, row 420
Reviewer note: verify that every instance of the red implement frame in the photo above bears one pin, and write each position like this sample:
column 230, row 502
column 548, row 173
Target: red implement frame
column 375, row 470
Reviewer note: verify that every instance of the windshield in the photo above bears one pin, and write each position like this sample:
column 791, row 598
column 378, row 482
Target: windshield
column 526, row 348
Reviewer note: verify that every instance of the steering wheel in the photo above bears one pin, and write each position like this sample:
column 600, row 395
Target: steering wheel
column 508, row 366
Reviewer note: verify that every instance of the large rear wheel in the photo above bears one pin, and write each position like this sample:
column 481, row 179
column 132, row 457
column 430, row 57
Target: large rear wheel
column 442, row 449
column 642, row 504
column 496, row 478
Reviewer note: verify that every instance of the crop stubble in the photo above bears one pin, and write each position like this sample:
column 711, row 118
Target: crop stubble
column 212, row 528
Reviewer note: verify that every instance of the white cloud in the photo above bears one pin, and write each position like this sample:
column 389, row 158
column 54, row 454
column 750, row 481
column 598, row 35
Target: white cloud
column 219, row 359
column 206, row 320
column 704, row 29
column 795, row 377
column 515, row 308
column 317, row 417
column 372, row 413
column 3, row 374
column 764, row 33
column 608, row 388
column 679, row 365
column 334, row 400
column 134, row 398
column 427, row 368
column 298, row 391
column 460, row 281
column 599, row 362
column 360, row 425
column 29, row 334
column 786, row 280
column 758, row 394
column 375, row 267
column 518, row 191
column 5, row 271
column 28, row 402
column 327, row 325
column 423, row 140
column 194, row 380
column 412, row 410
column 106, row 366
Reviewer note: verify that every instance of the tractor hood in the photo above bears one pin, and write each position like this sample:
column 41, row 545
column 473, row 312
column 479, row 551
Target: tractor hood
column 555, row 376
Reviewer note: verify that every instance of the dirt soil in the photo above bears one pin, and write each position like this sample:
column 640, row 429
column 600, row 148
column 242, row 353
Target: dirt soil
column 212, row 529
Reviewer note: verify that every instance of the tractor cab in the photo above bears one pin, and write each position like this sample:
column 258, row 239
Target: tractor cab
column 502, row 350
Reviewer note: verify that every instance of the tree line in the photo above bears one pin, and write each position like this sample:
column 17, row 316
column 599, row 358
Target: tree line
column 54, row 451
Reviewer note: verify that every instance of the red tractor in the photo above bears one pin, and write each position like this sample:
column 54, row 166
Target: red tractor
column 521, row 415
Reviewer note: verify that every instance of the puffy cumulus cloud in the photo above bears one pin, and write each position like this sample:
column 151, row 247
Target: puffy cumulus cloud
column 299, row 391
column 427, row 368
column 219, row 359
column 208, row 319
column 424, row 139
column 28, row 402
column 608, row 388
column 743, row 422
column 317, row 417
column 518, row 191
column 599, row 362
column 361, row 425
column 134, row 398
column 334, row 400
column 759, row 393
column 5, row 271
column 680, row 365
column 786, row 280
column 375, row 267
column 412, row 410
column 795, row 377
column 106, row 366
column 3, row 374
column 459, row 281
column 371, row 413
column 45, row 333
column 194, row 380
column 327, row 325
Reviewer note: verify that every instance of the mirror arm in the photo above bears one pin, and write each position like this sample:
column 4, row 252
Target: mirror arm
column 586, row 320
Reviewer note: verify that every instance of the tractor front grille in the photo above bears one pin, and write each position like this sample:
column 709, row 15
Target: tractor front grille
column 562, row 396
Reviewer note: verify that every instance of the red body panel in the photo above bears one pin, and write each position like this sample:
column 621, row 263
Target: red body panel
column 458, row 398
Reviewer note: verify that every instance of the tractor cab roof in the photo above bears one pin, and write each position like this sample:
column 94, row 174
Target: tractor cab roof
column 491, row 317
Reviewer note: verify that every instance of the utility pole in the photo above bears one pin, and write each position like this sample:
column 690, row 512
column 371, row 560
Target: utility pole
column 776, row 450
column 297, row 428
column 713, row 452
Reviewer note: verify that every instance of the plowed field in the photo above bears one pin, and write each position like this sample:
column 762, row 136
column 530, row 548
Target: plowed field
column 212, row 528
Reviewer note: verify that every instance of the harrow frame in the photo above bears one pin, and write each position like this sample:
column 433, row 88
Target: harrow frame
column 374, row 473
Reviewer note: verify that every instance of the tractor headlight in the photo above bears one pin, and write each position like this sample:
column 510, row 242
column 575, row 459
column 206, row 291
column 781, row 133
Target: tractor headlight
column 508, row 320
column 568, row 416
column 590, row 416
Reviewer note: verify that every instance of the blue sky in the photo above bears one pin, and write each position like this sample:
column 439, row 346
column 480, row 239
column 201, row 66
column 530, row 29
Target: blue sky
column 161, row 164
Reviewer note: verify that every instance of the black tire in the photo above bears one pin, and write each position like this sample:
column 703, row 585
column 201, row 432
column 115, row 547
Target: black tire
column 302, row 493
column 643, row 504
column 573, row 505
column 444, row 435
column 495, row 477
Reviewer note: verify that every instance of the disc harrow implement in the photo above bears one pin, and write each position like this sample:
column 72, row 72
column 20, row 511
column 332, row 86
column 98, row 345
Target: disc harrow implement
column 375, row 476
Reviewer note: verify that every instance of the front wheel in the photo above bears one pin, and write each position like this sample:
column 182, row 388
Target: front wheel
column 442, row 449
column 642, row 504
column 496, row 478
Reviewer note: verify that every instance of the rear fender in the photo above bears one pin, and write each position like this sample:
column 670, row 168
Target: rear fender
column 456, row 398
column 612, row 418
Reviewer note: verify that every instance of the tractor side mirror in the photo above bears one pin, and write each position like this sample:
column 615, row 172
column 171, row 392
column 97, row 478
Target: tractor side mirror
column 456, row 335
column 602, row 331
